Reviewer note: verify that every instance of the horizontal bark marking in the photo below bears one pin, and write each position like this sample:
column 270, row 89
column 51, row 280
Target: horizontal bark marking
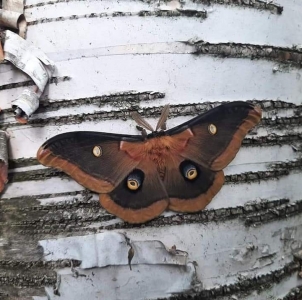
column 125, row 113
column 256, row 4
column 274, row 139
column 214, row 215
column 25, row 280
column 145, row 13
column 27, row 198
column 78, row 216
column 22, row 162
column 27, row 83
column 56, row 217
column 294, row 294
column 36, row 265
column 292, row 55
column 10, row 292
column 129, row 99
column 276, row 213
column 281, row 122
column 259, row 283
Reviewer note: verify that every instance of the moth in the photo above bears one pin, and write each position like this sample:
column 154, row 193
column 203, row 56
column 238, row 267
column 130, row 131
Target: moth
column 140, row 176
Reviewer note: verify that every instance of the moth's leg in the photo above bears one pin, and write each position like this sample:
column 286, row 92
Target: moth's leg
column 142, row 131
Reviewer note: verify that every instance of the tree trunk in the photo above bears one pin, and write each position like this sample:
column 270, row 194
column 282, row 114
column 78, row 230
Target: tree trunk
column 112, row 58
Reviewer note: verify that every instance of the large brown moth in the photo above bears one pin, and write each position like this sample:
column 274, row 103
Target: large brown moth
column 140, row 176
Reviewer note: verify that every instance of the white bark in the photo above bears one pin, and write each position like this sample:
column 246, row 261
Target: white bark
column 107, row 66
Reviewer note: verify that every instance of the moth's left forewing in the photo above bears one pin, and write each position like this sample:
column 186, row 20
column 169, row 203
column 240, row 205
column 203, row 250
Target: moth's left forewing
column 93, row 159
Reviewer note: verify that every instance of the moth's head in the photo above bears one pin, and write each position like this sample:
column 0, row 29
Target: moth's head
column 143, row 125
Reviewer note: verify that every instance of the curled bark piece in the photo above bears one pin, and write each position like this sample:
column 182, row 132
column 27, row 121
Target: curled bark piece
column 28, row 59
column 13, row 5
column 10, row 19
column 11, row 15
column 34, row 63
column 25, row 105
column 3, row 159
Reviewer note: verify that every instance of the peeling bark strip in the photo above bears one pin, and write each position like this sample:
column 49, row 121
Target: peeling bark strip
column 258, row 4
column 152, row 252
column 27, row 83
column 145, row 13
column 278, row 54
column 244, row 285
column 281, row 169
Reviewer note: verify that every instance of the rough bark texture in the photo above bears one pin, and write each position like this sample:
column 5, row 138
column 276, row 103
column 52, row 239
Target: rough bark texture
column 116, row 57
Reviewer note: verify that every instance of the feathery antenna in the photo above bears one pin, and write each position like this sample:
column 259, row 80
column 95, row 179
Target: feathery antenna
column 161, row 124
column 141, row 121
column 143, row 124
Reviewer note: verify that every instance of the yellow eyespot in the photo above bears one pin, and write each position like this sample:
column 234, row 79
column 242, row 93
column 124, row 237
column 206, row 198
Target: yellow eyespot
column 189, row 170
column 97, row 151
column 212, row 129
column 132, row 184
column 135, row 180
column 191, row 174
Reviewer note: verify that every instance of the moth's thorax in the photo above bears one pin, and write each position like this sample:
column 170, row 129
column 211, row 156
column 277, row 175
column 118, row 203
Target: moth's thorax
column 157, row 149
